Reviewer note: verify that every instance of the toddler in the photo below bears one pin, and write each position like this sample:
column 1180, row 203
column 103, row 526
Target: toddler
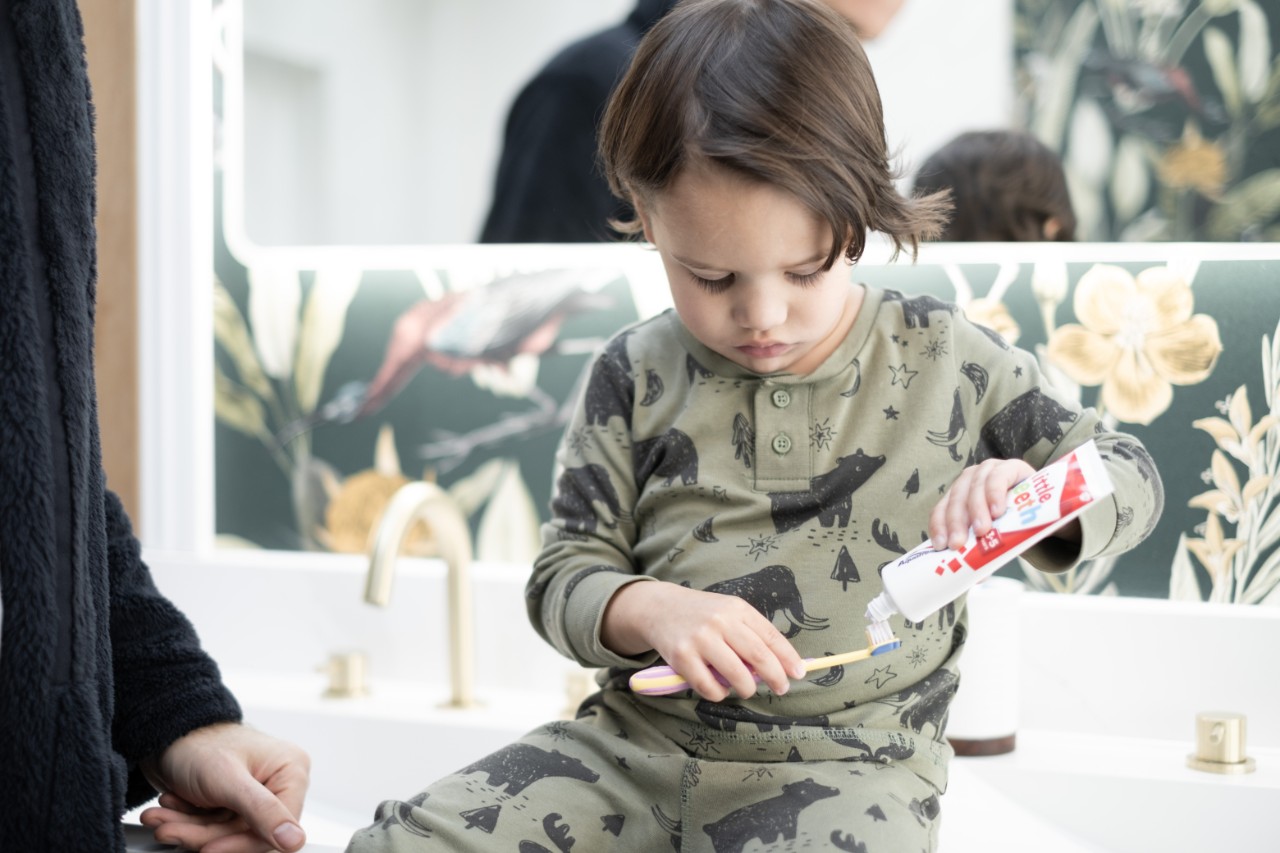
column 739, row 469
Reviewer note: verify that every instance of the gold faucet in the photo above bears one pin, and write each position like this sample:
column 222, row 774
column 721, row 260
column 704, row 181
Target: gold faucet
column 452, row 536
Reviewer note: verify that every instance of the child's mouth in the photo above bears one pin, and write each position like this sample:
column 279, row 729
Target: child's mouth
column 763, row 350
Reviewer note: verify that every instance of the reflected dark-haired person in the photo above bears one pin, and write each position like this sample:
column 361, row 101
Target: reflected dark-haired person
column 549, row 186
column 1006, row 186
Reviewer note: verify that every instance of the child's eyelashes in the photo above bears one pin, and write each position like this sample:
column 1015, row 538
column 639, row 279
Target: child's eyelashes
column 719, row 285
column 712, row 285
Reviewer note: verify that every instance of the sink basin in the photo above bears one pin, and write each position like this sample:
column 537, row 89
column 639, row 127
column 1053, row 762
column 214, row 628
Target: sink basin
column 1057, row 793
column 1111, row 794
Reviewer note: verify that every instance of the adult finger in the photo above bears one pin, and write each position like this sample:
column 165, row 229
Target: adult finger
column 199, row 836
column 264, row 811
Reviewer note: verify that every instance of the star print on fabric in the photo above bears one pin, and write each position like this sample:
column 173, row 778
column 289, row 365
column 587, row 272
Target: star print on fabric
column 673, row 553
column 821, row 434
column 720, row 493
column 935, row 349
column 559, row 730
column 881, row 677
column 758, row 774
column 1017, row 371
column 902, row 376
column 894, row 338
column 760, row 546
column 699, row 742
column 890, row 414
column 918, row 657
column 579, row 440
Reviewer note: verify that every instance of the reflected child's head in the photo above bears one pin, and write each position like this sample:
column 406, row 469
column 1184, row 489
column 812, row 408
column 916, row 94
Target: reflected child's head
column 1006, row 186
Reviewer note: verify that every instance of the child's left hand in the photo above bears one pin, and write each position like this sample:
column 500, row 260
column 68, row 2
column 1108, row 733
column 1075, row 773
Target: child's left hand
column 974, row 499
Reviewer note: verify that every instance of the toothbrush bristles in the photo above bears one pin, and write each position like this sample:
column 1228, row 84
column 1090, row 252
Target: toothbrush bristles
column 878, row 634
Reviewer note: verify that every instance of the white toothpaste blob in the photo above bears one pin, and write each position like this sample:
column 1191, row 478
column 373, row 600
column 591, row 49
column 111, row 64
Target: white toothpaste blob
column 924, row 580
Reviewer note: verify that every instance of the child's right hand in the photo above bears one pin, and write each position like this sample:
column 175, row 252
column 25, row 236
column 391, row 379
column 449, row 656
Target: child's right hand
column 696, row 631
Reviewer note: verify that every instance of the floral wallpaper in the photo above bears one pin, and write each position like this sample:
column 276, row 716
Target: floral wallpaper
column 339, row 377
column 333, row 390
column 1166, row 112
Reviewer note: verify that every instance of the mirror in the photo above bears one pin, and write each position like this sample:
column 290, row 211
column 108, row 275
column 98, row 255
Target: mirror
column 379, row 123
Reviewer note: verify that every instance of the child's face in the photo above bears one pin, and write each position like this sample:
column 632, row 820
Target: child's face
column 744, row 261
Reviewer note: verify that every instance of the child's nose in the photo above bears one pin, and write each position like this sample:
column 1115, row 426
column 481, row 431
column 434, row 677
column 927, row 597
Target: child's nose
column 759, row 310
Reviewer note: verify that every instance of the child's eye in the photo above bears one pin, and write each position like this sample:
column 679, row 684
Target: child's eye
column 713, row 285
column 806, row 280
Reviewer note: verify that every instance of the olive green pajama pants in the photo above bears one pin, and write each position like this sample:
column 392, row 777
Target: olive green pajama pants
column 614, row 780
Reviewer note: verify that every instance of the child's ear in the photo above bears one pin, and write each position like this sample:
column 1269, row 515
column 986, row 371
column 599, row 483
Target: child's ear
column 1052, row 227
column 642, row 213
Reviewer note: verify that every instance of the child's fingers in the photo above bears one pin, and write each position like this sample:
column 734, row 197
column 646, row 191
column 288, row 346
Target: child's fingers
column 980, row 501
column 733, row 669
column 789, row 661
column 958, row 509
column 764, row 656
column 978, row 496
column 703, row 672
column 995, row 491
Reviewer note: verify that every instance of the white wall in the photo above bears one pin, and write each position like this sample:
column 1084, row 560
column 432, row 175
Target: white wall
column 402, row 108
column 944, row 67
column 380, row 122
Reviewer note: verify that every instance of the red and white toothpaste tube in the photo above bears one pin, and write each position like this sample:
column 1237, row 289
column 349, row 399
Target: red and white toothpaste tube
column 924, row 580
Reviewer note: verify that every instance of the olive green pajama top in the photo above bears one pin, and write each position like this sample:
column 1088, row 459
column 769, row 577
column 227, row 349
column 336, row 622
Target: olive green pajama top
column 791, row 492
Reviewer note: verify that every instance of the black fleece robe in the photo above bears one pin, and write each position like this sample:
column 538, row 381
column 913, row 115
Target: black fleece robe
column 549, row 188
column 97, row 669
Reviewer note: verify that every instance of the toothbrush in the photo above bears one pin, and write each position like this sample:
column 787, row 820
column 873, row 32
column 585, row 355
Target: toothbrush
column 663, row 680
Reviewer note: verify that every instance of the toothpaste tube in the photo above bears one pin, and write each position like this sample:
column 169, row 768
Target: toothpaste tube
column 923, row 580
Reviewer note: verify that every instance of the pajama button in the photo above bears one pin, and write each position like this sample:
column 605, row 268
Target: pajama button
column 781, row 398
column 781, row 443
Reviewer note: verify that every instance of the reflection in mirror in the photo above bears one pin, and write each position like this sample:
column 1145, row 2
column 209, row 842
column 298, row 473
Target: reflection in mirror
column 380, row 123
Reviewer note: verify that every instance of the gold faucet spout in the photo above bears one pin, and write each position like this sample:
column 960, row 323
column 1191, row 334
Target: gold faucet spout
column 452, row 536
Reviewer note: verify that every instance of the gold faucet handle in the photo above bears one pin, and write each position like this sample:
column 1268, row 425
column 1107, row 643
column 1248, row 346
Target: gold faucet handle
column 1220, row 744
column 346, row 671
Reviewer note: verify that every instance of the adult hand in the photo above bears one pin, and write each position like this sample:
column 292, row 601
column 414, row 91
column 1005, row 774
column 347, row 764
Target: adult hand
column 974, row 499
column 696, row 631
column 227, row 788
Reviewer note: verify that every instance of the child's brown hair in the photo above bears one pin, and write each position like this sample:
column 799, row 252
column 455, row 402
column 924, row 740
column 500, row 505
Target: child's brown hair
column 1006, row 186
column 776, row 90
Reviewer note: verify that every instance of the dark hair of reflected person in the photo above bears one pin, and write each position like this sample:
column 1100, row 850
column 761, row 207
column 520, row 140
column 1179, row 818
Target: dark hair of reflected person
column 778, row 91
column 1005, row 185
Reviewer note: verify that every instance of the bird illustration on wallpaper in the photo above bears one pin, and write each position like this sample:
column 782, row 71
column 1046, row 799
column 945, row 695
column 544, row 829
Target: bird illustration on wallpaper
column 491, row 325
column 279, row 345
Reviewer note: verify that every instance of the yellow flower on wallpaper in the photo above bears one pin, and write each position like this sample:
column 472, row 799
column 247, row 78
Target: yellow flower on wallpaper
column 995, row 316
column 1136, row 338
column 1194, row 163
